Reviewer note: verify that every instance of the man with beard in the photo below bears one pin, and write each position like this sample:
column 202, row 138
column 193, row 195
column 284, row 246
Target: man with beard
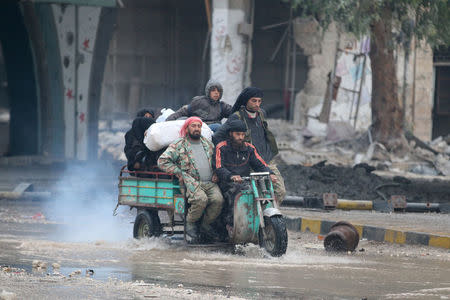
column 190, row 159
column 235, row 158
column 247, row 108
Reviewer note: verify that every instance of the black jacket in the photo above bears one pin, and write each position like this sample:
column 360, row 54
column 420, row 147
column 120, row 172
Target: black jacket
column 266, row 136
column 229, row 161
column 135, row 149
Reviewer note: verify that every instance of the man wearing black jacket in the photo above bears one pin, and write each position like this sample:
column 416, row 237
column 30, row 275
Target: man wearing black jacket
column 247, row 108
column 235, row 158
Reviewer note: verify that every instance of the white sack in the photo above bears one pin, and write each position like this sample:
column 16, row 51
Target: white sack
column 162, row 134
column 165, row 113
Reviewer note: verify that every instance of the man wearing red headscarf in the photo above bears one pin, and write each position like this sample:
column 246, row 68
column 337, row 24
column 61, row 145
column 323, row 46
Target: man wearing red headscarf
column 190, row 159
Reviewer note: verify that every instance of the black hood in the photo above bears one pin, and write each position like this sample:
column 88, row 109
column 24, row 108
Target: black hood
column 139, row 126
column 245, row 95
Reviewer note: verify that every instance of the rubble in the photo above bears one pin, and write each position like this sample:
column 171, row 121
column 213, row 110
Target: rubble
column 5, row 295
column 111, row 145
column 37, row 264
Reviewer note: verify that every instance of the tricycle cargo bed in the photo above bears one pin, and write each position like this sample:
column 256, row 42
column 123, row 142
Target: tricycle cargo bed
column 150, row 189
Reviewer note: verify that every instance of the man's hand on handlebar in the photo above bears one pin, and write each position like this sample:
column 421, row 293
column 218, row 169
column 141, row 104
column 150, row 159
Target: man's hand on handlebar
column 214, row 178
column 236, row 178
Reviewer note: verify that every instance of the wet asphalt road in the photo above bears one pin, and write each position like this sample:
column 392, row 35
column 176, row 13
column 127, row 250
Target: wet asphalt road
column 92, row 239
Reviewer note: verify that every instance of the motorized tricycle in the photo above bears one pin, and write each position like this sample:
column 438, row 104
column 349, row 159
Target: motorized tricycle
column 161, row 209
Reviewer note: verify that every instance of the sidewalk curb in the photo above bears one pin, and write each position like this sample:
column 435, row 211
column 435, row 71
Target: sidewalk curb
column 371, row 233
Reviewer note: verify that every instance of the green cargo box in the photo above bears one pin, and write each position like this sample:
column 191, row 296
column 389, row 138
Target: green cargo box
column 156, row 192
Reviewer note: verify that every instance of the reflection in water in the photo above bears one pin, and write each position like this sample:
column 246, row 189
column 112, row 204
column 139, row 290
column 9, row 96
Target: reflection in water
column 303, row 271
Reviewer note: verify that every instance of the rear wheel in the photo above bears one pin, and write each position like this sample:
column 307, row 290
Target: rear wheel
column 147, row 224
column 274, row 239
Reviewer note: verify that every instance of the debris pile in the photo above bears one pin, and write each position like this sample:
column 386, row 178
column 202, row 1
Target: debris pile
column 340, row 145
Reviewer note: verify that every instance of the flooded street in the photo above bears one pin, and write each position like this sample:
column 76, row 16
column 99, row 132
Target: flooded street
column 125, row 268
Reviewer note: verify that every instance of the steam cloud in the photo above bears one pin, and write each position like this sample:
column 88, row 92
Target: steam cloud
column 85, row 198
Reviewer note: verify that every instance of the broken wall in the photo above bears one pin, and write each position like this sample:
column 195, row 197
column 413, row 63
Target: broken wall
column 415, row 87
column 321, row 48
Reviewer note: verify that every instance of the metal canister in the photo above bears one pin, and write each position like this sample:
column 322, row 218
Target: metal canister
column 343, row 236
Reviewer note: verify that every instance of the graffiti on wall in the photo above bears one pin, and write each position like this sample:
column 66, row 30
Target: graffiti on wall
column 228, row 52
column 76, row 45
column 353, row 66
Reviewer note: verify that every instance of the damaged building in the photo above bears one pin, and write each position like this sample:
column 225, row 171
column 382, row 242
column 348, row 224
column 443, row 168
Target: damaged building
column 68, row 65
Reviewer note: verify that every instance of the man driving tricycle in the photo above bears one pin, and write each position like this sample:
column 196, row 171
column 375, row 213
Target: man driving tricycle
column 251, row 212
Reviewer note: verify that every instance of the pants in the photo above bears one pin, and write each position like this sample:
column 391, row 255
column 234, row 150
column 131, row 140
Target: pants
column 278, row 187
column 207, row 201
column 230, row 190
column 214, row 126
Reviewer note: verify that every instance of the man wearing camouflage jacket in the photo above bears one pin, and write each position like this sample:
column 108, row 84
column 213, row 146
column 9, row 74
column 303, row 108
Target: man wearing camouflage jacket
column 190, row 159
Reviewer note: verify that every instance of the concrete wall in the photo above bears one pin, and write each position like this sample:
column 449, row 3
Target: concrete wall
column 416, row 89
column 155, row 57
column 320, row 48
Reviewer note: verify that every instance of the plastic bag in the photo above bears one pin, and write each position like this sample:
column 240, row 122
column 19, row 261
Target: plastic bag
column 162, row 134
column 165, row 113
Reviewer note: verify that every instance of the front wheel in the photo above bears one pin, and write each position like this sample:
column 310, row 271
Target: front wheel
column 274, row 238
column 147, row 224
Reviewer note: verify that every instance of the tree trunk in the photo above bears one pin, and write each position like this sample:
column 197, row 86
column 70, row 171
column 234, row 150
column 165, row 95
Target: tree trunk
column 387, row 111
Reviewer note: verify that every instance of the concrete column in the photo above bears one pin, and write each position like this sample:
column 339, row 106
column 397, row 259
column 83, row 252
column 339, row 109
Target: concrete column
column 229, row 47
column 77, row 32
column 424, row 91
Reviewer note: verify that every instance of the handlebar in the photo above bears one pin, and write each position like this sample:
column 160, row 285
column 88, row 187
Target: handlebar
column 256, row 175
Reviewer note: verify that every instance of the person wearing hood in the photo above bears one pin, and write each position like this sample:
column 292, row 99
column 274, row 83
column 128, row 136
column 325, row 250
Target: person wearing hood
column 146, row 112
column 208, row 107
column 247, row 108
column 138, row 155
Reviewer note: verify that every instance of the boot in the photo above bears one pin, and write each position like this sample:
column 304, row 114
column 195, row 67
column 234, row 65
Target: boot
column 209, row 232
column 192, row 232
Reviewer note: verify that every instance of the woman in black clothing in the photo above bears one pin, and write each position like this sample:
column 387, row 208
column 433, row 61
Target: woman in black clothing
column 138, row 155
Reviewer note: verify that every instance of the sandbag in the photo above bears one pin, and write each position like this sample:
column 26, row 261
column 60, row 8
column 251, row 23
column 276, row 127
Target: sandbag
column 161, row 135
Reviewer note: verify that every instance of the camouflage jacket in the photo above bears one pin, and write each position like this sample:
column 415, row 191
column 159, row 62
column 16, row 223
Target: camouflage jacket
column 179, row 160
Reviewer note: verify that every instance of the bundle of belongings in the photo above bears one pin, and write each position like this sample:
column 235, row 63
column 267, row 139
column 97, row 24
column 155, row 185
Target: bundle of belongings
column 147, row 140
column 160, row 135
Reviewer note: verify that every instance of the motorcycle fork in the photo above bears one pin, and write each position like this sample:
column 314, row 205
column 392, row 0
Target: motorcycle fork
column 258, row 205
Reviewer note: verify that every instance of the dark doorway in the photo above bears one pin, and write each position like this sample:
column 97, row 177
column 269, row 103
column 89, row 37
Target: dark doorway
column 441, row 110
column 271, row 75
column 21, row 83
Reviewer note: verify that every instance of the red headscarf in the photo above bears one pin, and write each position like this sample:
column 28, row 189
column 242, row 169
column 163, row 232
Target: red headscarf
column 186, row 124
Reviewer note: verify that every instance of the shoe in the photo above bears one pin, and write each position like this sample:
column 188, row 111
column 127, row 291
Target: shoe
column 208, row 231
column 192, row 232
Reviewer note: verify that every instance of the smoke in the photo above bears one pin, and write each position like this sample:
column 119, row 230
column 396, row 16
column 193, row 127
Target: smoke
column 85, row 198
